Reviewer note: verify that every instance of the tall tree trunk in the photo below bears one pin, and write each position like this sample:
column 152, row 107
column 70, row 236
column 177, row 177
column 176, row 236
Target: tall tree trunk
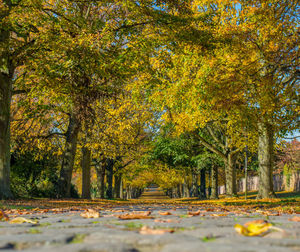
column 265, row 160
column 185, row 188
column 100, row 170
column 194, row 188
column 202, row 184
column 214, row 182
column 64, row 184
column 86, row 173
column 118, row 182
column 110, row 173
column 230, row 173
column 6, row 74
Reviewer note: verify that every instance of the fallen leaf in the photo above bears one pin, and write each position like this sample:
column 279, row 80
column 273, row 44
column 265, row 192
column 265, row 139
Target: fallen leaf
column 164, row 213
column 194, row 213
column 295, row 218
column 253, row 228
column 218, row 215
column 146, row 230
column 90, row 213
column 20, row 220
column 145, row 213
column 134, row 216
column 3, row 216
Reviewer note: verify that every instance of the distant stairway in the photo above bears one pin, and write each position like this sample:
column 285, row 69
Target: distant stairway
column 153, row 193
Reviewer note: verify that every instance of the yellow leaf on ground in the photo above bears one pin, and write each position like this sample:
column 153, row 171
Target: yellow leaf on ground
column 90, row 213
column 253, row 228
column 20, row 220
column 146, row 230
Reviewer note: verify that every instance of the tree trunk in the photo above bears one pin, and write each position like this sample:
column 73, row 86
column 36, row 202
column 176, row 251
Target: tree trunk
column 128, row 192
column 265, row 160
column 64, row 184
column 6, row 74
column 230, row 172
column 110, row 173
column 118, row 184
column 86, row 173
column 194, row 188
column 100, row 170
column 185, row 188
column 202, row 184
column 214, row 182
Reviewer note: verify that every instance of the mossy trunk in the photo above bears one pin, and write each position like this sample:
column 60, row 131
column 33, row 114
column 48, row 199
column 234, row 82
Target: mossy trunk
column 64, row 184
column 86, row 173
column 6, row 75
column 214, row 182
column 265, row 160
column 230, row 173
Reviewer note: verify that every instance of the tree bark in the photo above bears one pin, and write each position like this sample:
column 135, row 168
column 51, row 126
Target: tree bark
column 110, row 173
column 230, row 173
column 118, row 185
column 202, row 184
column 214, row 182
column 185, row 188
column 194, row 188
column 86, row 173
column 265, row 160
column 64, row 184
column 6, row 75
column 100, row 170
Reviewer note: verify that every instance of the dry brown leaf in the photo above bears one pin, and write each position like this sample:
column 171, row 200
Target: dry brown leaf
column 20, row 220
column 165, row 213
column 146, row 230
column 117, row 211
column 145, row 213
column 194, row 213
column 134, row 216
column 295, row 218
column 90, row 213
column 3, row 216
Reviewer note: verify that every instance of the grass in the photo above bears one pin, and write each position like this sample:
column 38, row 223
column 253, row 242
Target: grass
column 34, row 231
column 133, row 225
column 77, row 238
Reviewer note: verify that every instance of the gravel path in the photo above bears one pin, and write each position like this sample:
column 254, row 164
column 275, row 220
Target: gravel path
column 212, row 230
column 70, row 232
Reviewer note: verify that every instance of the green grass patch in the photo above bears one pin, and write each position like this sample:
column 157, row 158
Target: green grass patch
column 77, row 238
column 34, row 231
column 133, row 225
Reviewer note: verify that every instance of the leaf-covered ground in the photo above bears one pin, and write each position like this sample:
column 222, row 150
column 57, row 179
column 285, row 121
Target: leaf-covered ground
column 152, row 224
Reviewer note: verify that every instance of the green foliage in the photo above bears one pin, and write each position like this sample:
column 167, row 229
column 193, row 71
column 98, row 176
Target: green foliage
column 35, row 178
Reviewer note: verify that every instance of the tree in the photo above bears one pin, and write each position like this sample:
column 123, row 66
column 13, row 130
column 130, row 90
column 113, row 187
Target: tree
column 18, row 29
column 247, row 81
